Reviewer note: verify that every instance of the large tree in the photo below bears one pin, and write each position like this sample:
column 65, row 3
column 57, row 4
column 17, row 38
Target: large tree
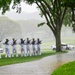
column 54, row 12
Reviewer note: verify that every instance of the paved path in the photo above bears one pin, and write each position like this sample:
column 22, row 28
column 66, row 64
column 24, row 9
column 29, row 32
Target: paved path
column 44, row 66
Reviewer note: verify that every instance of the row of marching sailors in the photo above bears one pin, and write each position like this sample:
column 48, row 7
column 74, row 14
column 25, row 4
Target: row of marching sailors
column 23, row 42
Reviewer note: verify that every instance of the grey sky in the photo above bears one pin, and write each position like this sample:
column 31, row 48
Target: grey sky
column 28, row 8
column 28, row 12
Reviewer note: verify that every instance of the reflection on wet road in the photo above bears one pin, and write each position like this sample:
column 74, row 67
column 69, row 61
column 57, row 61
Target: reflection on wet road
column 44, row 66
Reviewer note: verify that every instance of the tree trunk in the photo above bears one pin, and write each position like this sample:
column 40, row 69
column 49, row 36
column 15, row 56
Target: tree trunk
column 58, row 42
column 57, row 35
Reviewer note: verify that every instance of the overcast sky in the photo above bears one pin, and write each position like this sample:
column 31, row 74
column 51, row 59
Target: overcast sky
column 29, row 12
column 28, row 8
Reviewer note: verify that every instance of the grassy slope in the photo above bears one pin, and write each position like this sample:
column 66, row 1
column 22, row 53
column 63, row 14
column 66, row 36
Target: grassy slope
column 14, row 60
column 66, row 69
column 6, row 61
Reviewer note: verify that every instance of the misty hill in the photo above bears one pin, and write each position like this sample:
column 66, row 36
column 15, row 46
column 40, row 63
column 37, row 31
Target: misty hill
column 30, row 26
column 23, row 16
column 9, row 28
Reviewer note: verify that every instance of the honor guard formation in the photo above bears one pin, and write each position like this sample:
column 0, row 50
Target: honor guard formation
column 25, row 49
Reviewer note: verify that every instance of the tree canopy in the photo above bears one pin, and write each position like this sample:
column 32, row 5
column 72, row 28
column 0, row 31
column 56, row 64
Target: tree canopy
column 54, row 11
column 5, row 5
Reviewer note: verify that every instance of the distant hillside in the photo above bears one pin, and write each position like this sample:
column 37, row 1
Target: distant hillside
column 30, row 26
column 23, row 16
column 9, row 28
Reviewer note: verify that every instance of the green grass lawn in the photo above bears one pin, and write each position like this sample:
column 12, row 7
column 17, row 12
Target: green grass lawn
column 66, row 69
column 14, row 60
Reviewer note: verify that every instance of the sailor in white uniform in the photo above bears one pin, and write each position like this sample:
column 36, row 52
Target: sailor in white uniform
column 7, row 52
column 33, row 46
column 38, row 46
column 22, row 43
column 14, row 51
column 28, row 47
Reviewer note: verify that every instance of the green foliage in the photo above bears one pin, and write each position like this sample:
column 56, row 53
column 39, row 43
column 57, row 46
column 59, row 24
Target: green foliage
column 68, row 18
column 66, row 69
column 69, row 3
column 4, row 5
column 41, row 24
column 30, row 1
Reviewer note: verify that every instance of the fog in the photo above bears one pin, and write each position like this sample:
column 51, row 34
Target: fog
column 29, row 27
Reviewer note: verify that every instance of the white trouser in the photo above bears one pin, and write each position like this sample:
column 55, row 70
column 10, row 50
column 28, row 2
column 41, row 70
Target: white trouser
column 28, row 49
column 7, row 52
column 23, row 52
column 38, row 49
column 14, row 51
column 34, row 50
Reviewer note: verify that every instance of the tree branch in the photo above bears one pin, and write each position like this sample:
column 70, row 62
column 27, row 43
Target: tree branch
column 63, row 14
column 45, row 17
column 50, row 9
column 52, row 23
